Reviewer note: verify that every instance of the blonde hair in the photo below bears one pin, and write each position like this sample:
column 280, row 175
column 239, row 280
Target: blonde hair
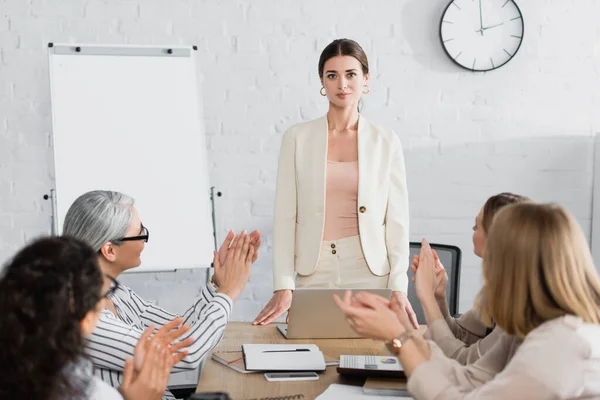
column 537, row 267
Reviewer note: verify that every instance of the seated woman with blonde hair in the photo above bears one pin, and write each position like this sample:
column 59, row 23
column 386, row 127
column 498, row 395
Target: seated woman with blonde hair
column 540, row 287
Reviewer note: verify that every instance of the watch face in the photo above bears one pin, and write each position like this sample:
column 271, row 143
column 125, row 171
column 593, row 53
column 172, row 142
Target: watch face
column 481, row 35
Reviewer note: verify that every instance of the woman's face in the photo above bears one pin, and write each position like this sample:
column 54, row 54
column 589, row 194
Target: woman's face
column 479, row 236
column 128, row 253
column 344, row 81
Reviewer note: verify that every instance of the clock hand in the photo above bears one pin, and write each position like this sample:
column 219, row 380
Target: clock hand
column 480, row 19
column 493, row 26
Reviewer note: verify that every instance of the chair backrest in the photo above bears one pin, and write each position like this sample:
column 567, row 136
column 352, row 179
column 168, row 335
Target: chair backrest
column 450, row 257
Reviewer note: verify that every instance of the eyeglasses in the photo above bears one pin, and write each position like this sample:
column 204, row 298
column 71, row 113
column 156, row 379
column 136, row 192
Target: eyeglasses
column 145, row 234
column 114, row 285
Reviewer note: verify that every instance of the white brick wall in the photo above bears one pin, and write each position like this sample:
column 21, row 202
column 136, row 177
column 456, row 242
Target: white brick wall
column 525, row 128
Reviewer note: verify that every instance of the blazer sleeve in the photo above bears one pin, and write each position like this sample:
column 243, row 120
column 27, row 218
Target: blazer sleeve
column 396, row 221
column 284, row 229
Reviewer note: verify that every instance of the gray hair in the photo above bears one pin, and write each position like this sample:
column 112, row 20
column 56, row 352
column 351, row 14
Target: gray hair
column 98, row 217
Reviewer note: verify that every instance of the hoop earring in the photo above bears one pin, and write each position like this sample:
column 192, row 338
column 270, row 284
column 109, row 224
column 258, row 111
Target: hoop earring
column 368, row 90
column 321, row 91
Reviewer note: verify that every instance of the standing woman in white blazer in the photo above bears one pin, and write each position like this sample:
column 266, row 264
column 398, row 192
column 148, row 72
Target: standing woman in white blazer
column 341, row 204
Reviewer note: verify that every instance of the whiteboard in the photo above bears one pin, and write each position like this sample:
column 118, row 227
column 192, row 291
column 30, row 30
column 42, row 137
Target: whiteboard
column 129, row 119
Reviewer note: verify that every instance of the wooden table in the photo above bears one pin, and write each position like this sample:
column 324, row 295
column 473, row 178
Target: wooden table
column 217, row 377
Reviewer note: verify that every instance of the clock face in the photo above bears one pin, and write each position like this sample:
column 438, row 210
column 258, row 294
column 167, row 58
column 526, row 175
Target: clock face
column 481, row 35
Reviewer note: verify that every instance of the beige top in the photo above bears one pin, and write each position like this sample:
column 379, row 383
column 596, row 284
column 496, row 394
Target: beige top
column 560, row 359
column 463, row 339
column 341, row 202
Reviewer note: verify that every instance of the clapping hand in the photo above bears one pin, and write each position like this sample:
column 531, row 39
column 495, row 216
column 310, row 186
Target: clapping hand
column 440, row 274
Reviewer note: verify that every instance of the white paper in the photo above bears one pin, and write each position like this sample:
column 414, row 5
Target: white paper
column 347, row 392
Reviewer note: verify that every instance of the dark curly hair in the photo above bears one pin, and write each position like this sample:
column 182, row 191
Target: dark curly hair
column 45, row 291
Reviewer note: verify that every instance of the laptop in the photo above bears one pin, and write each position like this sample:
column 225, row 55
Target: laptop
column 314, row 315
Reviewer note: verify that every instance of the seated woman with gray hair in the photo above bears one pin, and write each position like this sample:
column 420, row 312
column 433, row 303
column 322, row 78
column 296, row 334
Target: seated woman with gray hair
column 110, row 224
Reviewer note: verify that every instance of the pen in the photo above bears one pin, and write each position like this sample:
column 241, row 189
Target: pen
column 285, row 351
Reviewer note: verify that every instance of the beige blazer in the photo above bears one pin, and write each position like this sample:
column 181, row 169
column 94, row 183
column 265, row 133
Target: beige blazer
column 300, row 202
column 560, row 359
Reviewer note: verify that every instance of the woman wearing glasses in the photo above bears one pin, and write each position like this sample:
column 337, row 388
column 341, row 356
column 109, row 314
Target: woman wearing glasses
column 110, row 224
column 51, row 296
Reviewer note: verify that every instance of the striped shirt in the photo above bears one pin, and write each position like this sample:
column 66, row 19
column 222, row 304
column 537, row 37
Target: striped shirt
column 115, row 337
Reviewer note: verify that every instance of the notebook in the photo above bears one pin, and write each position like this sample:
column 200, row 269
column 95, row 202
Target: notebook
column 382, row 366
column 234, row 359
column 386, row 387
column 283, row 357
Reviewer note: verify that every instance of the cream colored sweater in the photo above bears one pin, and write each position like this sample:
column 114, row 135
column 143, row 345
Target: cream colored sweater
column 463, row 339
column 560, row 359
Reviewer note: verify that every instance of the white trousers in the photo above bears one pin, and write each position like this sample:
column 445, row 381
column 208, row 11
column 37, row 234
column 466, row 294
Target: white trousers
column 342, row 265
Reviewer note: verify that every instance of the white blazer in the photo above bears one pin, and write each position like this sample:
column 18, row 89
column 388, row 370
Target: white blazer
column 300, row 202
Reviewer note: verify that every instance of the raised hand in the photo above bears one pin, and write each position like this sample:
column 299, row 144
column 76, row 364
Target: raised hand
column 441, row 276
column 255, row 241
column 425, row 274
column 150, row 382
column 232, row 275
column 165, row 337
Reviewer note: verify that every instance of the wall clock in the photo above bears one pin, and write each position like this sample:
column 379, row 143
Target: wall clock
column 481, row 35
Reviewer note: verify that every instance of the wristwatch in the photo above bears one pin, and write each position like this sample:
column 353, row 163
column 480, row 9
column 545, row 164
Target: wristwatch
column 213, row 284
column 395, row 344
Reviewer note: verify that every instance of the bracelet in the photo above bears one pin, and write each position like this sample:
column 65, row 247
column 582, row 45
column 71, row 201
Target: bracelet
column 395, row 344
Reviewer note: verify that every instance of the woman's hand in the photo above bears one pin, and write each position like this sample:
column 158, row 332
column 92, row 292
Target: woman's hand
column 401, row 301
column 151, row 381
column 370, row 315
column 255, row 242
column 440, row 274
column 400, row 310
column 165, row 337
column 232, row 275
column 279, row 303
column 425, row 275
